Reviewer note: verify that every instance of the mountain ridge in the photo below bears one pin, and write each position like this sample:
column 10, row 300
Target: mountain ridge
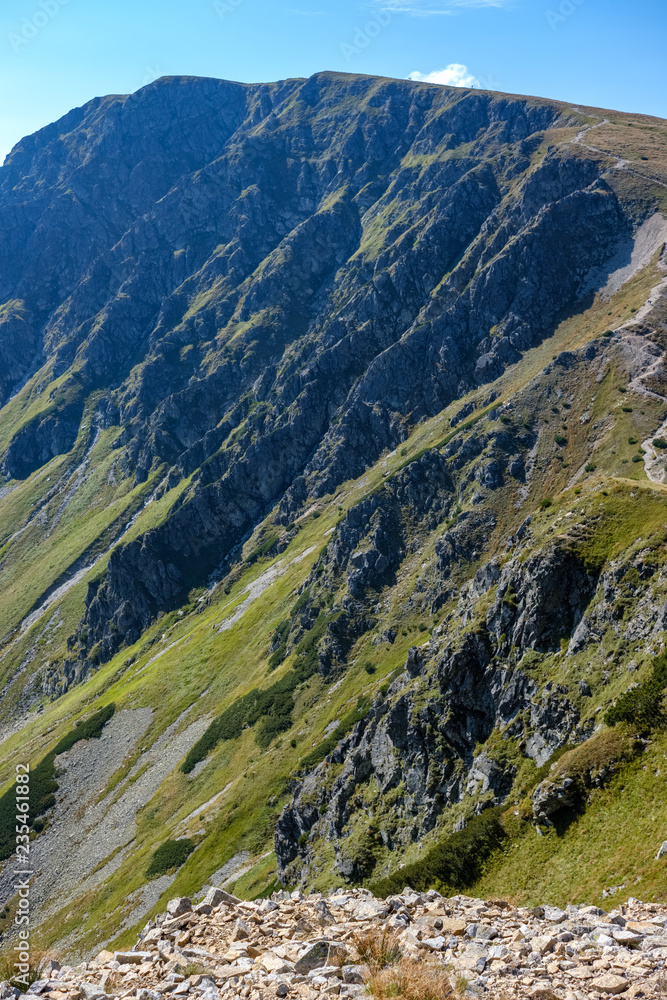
column 321, row 366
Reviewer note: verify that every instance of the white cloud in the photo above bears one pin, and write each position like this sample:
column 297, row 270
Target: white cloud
column 454, row 75
column 427, row 8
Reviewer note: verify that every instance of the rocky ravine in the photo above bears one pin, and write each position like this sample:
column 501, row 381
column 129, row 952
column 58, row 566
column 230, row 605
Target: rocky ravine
column 304, row 947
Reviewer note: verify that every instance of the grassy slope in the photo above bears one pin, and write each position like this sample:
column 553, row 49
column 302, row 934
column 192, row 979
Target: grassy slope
column 206, row 669
column 613, row 844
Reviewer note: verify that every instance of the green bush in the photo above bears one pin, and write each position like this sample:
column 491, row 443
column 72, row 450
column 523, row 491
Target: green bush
column 632, row 440
column 363, row 854
column 263, row 549
column 277, row 657
column 169, row 856
column 642, row 706
column 546, row 503
column 659, row 443
column 300, row 603
column 637, row 458
column 626, row 409
column 560, row 439
column 43, row 783
column 590, row 467
column 455, row 863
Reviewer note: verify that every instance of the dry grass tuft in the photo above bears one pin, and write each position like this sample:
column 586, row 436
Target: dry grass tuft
column 377, row 949
column 461, row 984
column 411, row 979
column 193, row 969
column 9, row 974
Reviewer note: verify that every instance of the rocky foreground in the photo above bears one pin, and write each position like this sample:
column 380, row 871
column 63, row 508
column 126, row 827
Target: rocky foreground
column 302, row 947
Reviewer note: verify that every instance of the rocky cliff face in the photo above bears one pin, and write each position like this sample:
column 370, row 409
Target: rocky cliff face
column 264, row 280
column 332, row 435
column 416, row 752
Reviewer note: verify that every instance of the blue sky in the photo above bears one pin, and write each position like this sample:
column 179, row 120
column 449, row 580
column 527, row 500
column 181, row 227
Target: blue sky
column 57, row 54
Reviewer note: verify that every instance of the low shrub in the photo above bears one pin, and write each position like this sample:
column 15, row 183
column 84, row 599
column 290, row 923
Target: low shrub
column 279, row 639
column 659, row 443
column 263, row 549
column 300, row 603
column 169, row 856
column 643, row 706
column 455, row 863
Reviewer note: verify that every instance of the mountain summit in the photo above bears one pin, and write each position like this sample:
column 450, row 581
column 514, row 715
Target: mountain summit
column 333, row 488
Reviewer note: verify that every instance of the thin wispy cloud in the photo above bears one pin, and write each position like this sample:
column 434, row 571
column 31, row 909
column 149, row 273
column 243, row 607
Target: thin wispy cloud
column 454, row 75
column 429, row 8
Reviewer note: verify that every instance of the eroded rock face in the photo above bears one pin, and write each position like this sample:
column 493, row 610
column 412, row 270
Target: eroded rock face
column 416, row 748
column 191, row 277
column 18, row 347
column 414, row 755
column 541, row 601
column 41, row 440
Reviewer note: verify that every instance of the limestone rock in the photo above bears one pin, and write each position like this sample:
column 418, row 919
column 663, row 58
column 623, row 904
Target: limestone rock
column 610, row 984
column 176, row 907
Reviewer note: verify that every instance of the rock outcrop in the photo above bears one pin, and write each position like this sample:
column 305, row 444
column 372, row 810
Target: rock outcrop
column 185, row 313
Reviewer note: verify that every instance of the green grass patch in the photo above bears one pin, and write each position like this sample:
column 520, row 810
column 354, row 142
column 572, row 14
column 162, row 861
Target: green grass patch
column 272, row 707
column 643, row 705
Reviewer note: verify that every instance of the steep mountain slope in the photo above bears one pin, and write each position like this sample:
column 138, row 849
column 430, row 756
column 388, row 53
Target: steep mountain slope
column 331, row 429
